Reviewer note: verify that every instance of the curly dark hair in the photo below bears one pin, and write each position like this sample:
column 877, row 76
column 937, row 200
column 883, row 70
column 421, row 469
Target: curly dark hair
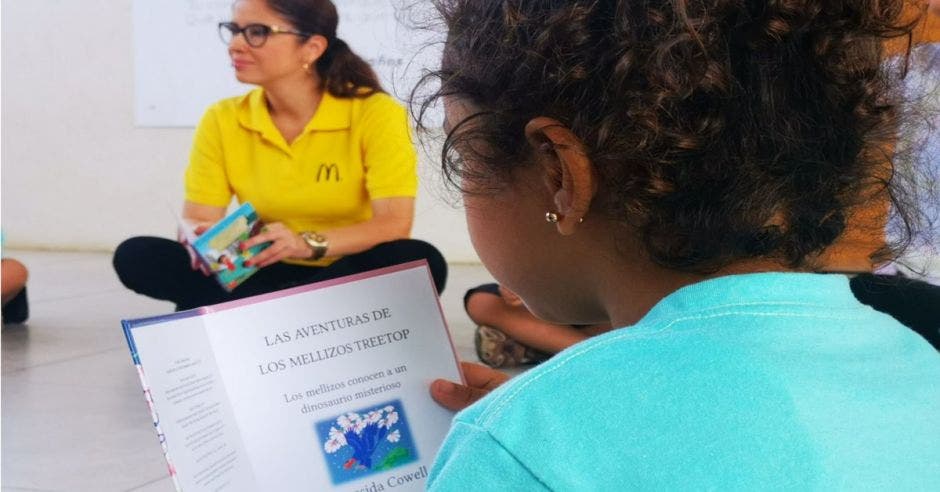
column 721, row 130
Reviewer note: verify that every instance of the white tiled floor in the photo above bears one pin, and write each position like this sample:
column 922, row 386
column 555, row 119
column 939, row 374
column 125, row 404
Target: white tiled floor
column 73, row 417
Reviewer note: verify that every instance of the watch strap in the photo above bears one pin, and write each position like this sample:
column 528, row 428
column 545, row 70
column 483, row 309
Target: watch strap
column 317, row 242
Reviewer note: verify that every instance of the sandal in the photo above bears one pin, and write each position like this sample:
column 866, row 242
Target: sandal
column 495, row 349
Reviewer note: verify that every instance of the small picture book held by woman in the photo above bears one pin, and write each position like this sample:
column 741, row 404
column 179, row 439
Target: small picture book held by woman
column 218, row 251
column 318, row 387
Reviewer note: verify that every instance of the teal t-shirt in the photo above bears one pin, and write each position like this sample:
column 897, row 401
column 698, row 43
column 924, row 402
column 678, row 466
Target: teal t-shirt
column 746, row 382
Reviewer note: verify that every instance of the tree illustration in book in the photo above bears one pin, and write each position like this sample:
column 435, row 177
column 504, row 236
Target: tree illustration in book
column 372, row 440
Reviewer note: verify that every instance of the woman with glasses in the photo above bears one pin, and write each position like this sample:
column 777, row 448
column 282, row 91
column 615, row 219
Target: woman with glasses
column 318, row 148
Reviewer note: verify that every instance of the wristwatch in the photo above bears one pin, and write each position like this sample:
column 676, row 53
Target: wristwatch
column 317, row 242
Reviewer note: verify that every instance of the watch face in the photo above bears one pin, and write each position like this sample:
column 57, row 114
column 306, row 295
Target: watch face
column 317, row 243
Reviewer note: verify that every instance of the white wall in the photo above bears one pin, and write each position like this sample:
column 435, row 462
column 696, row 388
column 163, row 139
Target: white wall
column 76, row 172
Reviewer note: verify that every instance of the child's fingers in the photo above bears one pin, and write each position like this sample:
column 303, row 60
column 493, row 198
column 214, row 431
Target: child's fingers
column 480, row 381
column 483, row 377
column 454, row 396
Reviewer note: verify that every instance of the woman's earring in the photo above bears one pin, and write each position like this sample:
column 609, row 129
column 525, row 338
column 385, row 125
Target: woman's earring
column 551, row 217
column 306, row 67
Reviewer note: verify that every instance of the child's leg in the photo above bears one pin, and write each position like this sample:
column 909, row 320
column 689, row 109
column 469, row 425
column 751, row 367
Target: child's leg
column 14, row 278
column 15, row 304
column 486, row 308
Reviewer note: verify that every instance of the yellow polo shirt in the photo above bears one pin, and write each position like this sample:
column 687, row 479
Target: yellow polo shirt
column 351, row 152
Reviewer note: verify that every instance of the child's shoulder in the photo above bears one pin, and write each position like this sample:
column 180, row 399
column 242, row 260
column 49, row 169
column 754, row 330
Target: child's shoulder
column 570, row 378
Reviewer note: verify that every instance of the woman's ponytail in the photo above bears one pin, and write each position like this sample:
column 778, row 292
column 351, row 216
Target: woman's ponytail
column 344, row 73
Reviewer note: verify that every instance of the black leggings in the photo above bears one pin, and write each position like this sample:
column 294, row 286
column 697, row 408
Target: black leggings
column 914, row 303
column 160, row 268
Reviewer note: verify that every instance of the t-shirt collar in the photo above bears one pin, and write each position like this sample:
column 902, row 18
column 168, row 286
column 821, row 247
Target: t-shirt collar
column 332, row 114
column 781, row 288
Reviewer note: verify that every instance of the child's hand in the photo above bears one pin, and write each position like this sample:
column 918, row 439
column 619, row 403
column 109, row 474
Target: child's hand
column 480, row 381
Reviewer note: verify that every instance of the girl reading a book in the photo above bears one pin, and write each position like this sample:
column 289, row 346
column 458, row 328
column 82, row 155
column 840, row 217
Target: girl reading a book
column 679, row 169
column 509, row 335
column 318, row 148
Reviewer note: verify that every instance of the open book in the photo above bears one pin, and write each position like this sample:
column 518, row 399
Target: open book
column 218, row 250
column 319, row 387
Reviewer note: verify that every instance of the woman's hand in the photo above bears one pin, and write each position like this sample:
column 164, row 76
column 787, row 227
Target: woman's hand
column 194, row 262
column 201, row 227
column 200, row 217
column 285, row 244
column 480, row 381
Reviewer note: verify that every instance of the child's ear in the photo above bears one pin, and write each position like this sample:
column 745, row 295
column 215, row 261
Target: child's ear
column 562, row 199
column 569, row 172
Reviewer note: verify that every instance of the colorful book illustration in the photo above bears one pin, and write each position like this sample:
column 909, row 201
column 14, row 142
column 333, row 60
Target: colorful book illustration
column 319, row 387
column 218, row 249
column 366, row 442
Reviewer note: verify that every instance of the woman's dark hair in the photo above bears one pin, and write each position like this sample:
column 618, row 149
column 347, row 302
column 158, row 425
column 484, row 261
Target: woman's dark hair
column 344, row 74
column 722, row 130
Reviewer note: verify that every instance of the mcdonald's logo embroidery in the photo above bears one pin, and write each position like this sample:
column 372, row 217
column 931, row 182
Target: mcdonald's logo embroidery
column 328, row 172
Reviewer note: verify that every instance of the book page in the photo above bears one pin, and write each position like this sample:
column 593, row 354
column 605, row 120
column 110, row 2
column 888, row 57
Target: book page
column 192, row 413
column 330, row 386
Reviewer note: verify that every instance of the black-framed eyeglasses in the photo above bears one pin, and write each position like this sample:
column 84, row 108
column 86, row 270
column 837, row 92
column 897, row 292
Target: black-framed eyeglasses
column 255, row 34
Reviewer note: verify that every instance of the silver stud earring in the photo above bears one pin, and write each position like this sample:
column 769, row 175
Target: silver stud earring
column 551, row 217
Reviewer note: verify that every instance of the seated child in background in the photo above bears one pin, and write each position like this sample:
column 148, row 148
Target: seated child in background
column 509, row 335
column 15, row 305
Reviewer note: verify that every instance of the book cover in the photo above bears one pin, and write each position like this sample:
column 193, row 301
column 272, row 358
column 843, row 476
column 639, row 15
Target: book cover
column 319, row 387
column 218, row 249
